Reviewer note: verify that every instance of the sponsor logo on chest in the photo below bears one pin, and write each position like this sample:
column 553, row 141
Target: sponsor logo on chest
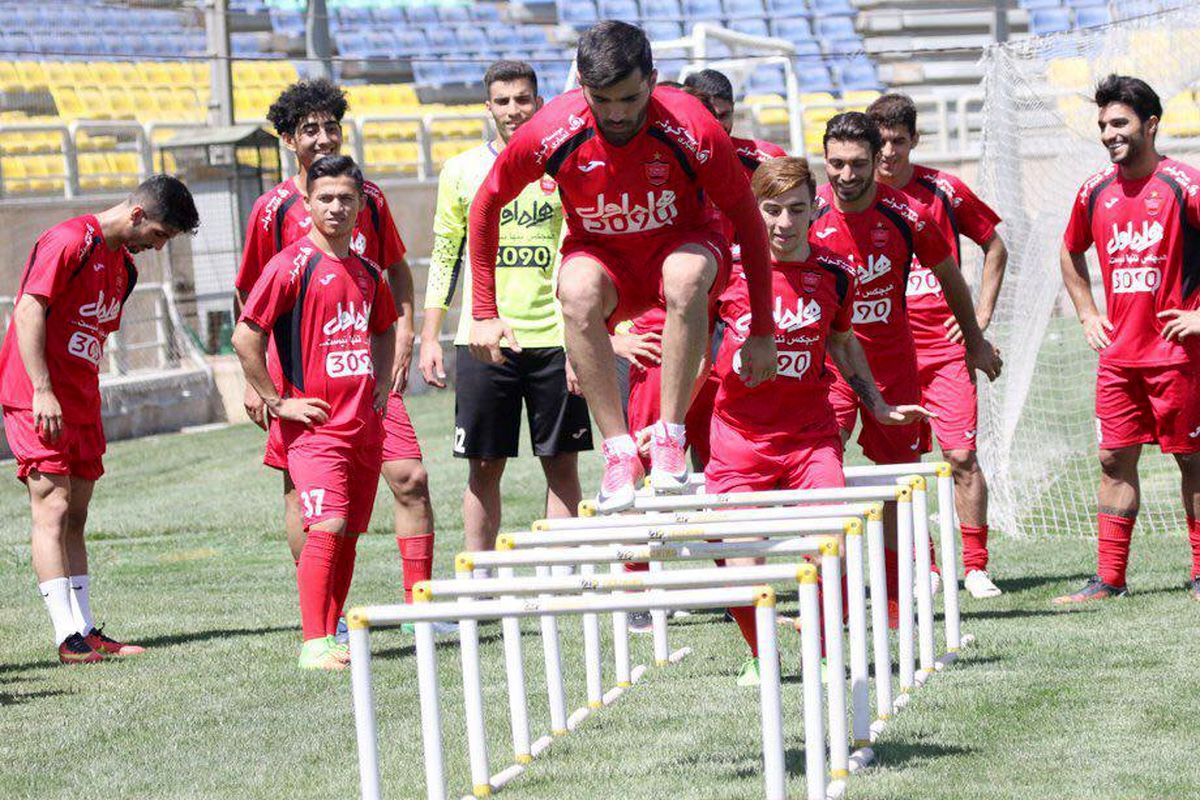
column 876, row 267
column 628, row 215
column 1137, row 240
column 352, row 317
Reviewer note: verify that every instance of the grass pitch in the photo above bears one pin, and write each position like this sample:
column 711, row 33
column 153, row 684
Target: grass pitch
column 189, row 559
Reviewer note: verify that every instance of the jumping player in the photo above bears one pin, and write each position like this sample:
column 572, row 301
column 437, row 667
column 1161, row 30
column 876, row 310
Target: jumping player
column 308, row 117
column 334, row 320
column 488, row 397
column 947, row 387
column 72, row 293
column 635, row 167
column 785, row 435
column 1142, row 213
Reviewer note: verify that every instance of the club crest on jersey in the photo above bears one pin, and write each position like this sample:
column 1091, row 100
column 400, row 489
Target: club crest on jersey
column 1154, row 203
column 350, row 318
column 810, row 281
column 547, row 185
column 876, row 267
column 658, row 171
column 879, row 236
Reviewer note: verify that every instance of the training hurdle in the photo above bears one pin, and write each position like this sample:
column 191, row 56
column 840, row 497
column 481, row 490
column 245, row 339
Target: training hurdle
column 422, row 614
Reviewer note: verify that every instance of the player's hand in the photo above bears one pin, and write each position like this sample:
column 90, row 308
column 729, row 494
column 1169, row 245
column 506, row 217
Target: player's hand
column 902, row 415
column 954, row 332
column 379, row 398
column 308, row 410
column 758, row 362
column 983, row 356
column 433, row 365
column 1180, row 324
column 254, row 407
column 47, row 415
column 641, row 350
column 404, row 348
column 642, row 440
column 573, row 386
column 1096, row 329
column 485, row 338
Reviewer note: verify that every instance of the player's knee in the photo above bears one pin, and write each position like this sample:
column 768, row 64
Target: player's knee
column 687, row 281
column 560, row 469
column 334, row 525
column 486, row 471
column 1189, row 464
column 963, row 462
column 1117, row 464
column 409, row 483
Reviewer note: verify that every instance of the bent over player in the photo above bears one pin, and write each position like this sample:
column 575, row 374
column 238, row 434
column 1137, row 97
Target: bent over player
column 635, row 167
column 333, row 318
column 1143, row 214
column 72, row 292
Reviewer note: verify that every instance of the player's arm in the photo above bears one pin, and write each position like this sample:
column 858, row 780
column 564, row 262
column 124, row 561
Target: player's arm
column 850, row 359
column 1181, row 323
column 259, row 249
column 449, row 240
column 980, row 353
column 400, row 284
column 516, row 167
column 1096, row 327
column 29, row 320
column 995, row 261
column 384, row 341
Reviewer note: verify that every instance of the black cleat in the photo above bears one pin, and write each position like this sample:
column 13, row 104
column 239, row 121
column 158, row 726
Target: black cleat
column 1094, row 589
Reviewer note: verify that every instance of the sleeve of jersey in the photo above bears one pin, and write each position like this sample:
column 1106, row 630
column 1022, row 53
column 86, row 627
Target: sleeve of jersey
column 383, row 310
column 258, row 251
column 1192, row 201
column 273, row 294
column 725, row 182
column 449, row 238
column 1078, row 236
column 392, row 247
column 516, row 168
column 51, row 265
column 929, row 244
column 976, row 219
column 772, row 150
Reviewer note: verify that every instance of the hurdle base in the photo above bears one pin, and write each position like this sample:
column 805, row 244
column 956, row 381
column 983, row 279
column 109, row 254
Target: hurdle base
column 836, row 789
column 860, row 759
column 577, row 717
column 636, row 674
column 540, row 746
column 679, row 655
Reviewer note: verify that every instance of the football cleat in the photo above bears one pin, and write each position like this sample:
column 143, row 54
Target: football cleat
column 622, row 474
column 322, row 654
column 108, row 646
column 1094, row 589
column 76, row 650
column 668, row 463
column 980, row 585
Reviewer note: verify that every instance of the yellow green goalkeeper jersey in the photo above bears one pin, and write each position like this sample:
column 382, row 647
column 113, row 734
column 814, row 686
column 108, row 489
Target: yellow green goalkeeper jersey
column 526, row 263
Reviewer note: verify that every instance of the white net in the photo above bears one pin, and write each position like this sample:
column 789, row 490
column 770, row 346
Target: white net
column 1037, row 429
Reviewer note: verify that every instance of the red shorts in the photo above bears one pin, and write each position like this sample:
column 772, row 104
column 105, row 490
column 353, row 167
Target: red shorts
column 883, row 444
column 335, row 479
column 637, row 274
column 77, row 452
column 645, row 403
column 399, row 438
column 948, row 391
column 739, row 465
column 1148, row 405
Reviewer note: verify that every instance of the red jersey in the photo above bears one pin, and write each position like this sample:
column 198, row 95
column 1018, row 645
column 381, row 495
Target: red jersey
column 881, row 242
column 630, row 198
column 956, row 211
column 322, row 312
column 85, row 285
column 280, row 218
column 1147, row 237
column 811, row 298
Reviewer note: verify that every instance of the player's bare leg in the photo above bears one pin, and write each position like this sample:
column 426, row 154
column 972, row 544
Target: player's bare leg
column 688, row 274
column 481, row 503
column 293, row 517
column 588, row 297
column 412, row 519
column 1189, row 471
column 970, row 502
column 563, row 492
column 1119, row 500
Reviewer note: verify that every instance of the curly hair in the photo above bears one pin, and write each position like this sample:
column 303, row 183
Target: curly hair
column 302, row 98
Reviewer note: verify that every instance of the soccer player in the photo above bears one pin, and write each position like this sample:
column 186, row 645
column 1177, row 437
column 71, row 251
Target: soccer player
column 72, row 292
column 308, row 117
column 336, row 361
column 635, row 167
column 784, row 435
column 1143, row 215
column 488, row 397
column 946, row 386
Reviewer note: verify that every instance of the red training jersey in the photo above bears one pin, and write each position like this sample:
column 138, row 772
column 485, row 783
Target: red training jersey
column 1147, row 237
column 85, row 285
column 280, row 218
column 881, row 242
column 811, row 298
column 631, row 197
column 322, row 312
column 957, row 212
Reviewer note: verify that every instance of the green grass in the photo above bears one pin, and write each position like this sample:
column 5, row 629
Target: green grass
column 188, row 558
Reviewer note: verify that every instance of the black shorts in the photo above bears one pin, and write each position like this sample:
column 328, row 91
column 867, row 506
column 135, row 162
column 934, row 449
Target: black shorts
column 487, row 405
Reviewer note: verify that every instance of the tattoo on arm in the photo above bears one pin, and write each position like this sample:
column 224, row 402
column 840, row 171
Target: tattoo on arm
column 866, row 391
column 1123, row 513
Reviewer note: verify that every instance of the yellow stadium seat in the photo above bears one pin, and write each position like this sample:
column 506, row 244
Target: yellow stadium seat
column 93, row 171
column 45, row 173
column 157, row 73
column 125, row 168
column 773, row 108
column 69, row 102
column 16, row 174
column 105, row 72
column 1071, row 72
column 181, row 74
column 32, row 74
column 859, row 100
column 9, row 78
column 87, row 142
column 1181, row 116
column 120, row 102
column 448, row 149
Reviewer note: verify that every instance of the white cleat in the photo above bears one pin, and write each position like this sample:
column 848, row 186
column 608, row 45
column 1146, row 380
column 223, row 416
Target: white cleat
column 935, row 584
column 668, row 465
column 622, row 474
column 980, row 585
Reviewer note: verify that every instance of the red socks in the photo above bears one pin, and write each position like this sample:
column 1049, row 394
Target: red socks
column 343, row 575
column 315, row 578
column 1194, row 539
column 974, row 547
column 744, row 617
column 416, row 560
column 1115, row 535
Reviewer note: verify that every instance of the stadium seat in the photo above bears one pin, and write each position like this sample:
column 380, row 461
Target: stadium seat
column 661, row 30
column 1044, row 21
column 423, row 15
column 766, row 80
column 443, row 39
column 701, row 10
column 579, row 13
column 831, row 7
column 1181, row 116
column 1030, row 5
column 1087, row 3
column 1092, row 16
column 473, row 38
column 858, row 74
column 795, row 29
column 532, row 35
column 453, row 15
column 780, row 9
column 772, row 111
column 743, row 9
column 750, row 26
column 661, row 9
column 830, row 28
column 626, row 10
column 503, row 36
column 813, row 77
column 485, row 12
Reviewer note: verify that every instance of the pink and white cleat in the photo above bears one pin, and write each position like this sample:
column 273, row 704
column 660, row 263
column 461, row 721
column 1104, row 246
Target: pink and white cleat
column 668, row 464
column 623, row 473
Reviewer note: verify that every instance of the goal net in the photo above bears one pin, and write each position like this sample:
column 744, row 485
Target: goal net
column 1037, row 426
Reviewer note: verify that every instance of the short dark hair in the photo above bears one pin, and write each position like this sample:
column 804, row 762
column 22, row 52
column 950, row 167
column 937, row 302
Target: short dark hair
column 165, row 199
column 333, row 167
column 610, row 51
column 1130, row 91
column 509, row 70
column 853, row 126
column 302, row 98
column 671, row 84
column 703, row 97
column 894, row 111
column 712, row 83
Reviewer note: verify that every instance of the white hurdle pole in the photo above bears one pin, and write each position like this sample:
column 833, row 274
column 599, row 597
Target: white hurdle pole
column 904, row 558
column 364, row 712
column 658, row 628
column 779, row 497
column 591, row 650
column 879, row 617
column 514, row 672
column 925, row 636
column 810, row 661
column 855, row 596
column 949, row 551
column 556, row 691
column 620, row 622
column 468, row 634
column 770, row 696
column 835, row 660
column 653, row 518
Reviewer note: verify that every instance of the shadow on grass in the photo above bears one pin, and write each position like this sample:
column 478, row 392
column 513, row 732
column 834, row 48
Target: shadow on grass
column 441, row 643
column 891, row 755
column 10, row 699
column 1024, row 613
column 1015, row 585
column 167, row 640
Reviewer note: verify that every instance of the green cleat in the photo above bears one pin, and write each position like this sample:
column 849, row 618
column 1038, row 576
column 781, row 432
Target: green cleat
column 324, row 654
column 748, row 674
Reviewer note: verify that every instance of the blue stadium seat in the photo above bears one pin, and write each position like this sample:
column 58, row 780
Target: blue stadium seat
column 453, row 14
column 841, row 48
column 579, row 13
column 779, row 9
column 809, row 48
column 485, row 12
column 660, row 30
column 472, row 38
column 753, row 27
column 532, row 35
column 701, row 10
column 1030, row 5
column 793, row 30
column 835, row 28
column 625, row 10
column 1087, row 3
column 429, row 73
column 1049, row 20
column 442, row 38
column 1091, row 16
column 503, row 36
column 831, row 7
column 411, row 42
column 857, row 75
column 766, row 80
column 422, row 15
column 661, row 9
column 743, row 9
column 813, row 77
column 392, row 16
